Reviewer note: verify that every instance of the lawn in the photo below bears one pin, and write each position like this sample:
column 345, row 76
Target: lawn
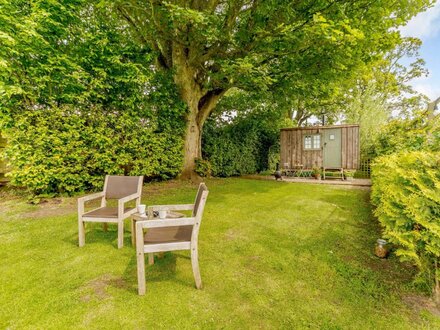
column 272, row 255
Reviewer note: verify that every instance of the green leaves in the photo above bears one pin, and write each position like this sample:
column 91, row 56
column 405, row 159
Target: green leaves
column 78, row 99
column 62, row 151
column 407, row 196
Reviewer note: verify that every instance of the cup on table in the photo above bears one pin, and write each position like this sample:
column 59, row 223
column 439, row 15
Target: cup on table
column 141, row 209
column 162, row 214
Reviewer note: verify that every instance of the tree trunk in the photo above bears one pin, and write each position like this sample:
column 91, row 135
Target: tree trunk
column 200, row 104
column 192, row 147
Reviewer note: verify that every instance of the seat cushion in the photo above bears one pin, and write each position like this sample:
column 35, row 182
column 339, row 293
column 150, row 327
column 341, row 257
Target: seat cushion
column 105, row 212
column 168, row 235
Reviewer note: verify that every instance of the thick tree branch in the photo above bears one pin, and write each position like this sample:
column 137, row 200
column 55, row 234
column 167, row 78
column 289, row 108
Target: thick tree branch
column 207, row 104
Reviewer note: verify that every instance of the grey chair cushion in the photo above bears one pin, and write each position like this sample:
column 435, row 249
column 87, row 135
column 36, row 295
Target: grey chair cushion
column 168, row 235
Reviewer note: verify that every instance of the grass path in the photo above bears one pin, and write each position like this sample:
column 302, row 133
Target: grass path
column 272, row 255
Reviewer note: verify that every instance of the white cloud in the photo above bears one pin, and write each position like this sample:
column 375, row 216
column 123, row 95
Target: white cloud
column 425, row 25
column 428, row 87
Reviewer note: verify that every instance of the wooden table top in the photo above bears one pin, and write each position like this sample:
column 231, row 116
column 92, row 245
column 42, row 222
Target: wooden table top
column 170, row 215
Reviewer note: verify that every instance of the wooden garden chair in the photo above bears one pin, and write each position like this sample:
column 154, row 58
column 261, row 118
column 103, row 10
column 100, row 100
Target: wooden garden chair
column 171, row 235
column 120, row 188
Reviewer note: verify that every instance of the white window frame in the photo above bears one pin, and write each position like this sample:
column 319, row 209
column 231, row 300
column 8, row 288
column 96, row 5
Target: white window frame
column 312, row 142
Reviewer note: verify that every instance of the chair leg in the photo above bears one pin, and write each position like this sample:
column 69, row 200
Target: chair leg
column 81, row 233
column 133, row 232
column 105, row 226
column 151, row 258
column 195, row 267
column 120, row 234
column 140, row 256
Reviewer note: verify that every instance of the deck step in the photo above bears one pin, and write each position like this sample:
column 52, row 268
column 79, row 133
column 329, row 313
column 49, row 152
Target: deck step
column 335, row 170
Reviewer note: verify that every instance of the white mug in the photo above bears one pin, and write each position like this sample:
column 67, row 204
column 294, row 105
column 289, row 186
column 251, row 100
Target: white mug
column 162, row 214
column 141, row 208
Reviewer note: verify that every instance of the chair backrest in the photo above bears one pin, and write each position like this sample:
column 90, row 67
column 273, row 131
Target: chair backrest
column 118, row 186
column 199, row 206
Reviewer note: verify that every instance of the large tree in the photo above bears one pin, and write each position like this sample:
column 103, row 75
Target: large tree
column 213, row 45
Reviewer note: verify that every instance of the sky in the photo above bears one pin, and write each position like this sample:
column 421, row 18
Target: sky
column 426, row 26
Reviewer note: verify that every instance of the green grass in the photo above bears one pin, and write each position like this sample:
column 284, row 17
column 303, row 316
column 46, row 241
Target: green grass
column 272, row 255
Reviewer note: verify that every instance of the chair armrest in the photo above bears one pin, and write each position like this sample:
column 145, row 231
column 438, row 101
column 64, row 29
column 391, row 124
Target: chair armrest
column 84, row 199
column 165, row 223
column 122, row 201
column 128, row 198
column 177, row 207
column 91, row 197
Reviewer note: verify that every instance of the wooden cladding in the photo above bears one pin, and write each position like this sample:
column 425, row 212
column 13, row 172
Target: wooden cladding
column 293, row 152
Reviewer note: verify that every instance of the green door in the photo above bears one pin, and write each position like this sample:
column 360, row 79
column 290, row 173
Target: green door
column 332, row 148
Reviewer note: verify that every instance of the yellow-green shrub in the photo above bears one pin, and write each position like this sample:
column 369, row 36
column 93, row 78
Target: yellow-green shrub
column 64, row 151
column 406, row 192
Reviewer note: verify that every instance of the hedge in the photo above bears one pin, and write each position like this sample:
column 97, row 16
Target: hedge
column 406, row 192
column 65, row 151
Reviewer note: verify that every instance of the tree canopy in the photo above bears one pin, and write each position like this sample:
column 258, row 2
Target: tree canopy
column 211, row 46
column 171, row 62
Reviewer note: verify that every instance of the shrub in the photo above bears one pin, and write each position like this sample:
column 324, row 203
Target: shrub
column 349, row 173
column 231, row 151
column 64, row 151
column 406, row 192
column 245, row 144
column 411, row 134
column 203, row 167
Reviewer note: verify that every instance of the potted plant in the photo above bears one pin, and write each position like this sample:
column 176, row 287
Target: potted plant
column 348, row 175
column 317, row 172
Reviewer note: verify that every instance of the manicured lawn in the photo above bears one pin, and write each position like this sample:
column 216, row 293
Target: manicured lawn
column 272, row 255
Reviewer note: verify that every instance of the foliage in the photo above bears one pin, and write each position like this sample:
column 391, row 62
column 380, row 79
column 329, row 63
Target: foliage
column 203, row 168
column 78, row 99
column 302, row 47
column 68, row 53
column 406, row 191
column 381, row 91
column 349, row 173
column 367, row 109
column 242, row 136
column 231, row 149
column 316, row 172
column 62, row 151
column 411, row 134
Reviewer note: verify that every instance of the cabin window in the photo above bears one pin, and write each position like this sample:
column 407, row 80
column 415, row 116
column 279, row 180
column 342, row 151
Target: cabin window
column 312, row 142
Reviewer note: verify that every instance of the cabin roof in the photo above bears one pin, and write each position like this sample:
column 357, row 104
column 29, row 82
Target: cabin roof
column 318, row 127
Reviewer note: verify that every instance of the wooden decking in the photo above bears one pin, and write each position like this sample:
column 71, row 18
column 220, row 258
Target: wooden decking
column 354, row 182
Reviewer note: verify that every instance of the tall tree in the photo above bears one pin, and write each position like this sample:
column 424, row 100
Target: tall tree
column 213, row 45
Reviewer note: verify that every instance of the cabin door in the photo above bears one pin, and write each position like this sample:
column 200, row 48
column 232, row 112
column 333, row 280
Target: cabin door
column 332, row 148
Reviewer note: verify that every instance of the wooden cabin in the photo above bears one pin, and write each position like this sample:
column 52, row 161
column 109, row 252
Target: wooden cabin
column 334, row 147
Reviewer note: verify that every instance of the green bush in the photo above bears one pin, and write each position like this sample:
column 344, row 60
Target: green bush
column 203, row 167
column 231, row 151
column 411, row 134
column 64, row 151
column 244, row 144
column 406, row 192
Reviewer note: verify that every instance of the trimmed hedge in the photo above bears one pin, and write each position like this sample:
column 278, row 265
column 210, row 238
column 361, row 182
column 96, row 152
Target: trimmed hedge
column 64, row 151
column 406, row 192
